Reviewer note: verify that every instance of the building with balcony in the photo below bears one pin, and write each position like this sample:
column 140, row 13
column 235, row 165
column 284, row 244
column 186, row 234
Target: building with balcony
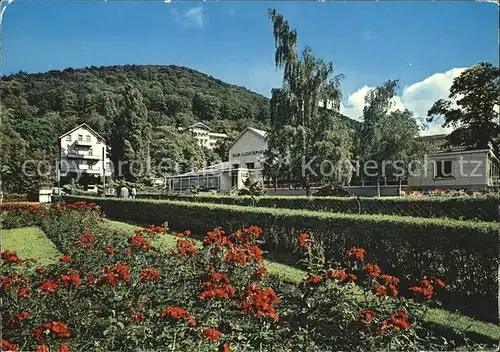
column 204, row 135
column 83, row 151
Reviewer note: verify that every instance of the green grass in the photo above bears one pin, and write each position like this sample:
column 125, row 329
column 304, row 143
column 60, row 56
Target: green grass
column 30, row 242
column 275, row 265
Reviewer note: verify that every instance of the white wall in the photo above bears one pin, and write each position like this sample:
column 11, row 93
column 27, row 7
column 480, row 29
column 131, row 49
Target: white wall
column 473, row 174
column 249, row 143
column 91, row 152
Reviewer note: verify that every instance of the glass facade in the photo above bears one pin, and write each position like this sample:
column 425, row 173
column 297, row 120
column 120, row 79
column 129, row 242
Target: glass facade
column 203, row 181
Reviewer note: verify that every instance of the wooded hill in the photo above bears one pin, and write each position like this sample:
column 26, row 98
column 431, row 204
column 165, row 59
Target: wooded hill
column 38, row 107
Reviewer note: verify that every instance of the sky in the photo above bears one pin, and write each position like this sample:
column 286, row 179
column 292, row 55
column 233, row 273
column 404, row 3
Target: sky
column 423, row 44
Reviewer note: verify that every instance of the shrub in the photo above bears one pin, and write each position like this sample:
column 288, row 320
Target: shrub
column 483, row 208
column 114, row 291
column 331, row 191
column 464, row 253
column 15, row 197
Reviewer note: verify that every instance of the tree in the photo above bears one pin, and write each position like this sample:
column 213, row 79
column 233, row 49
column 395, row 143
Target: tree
column 175, row 153
column 473, row 108
column 389, row 138
column 206, row 107
column 307, row 82
column 130, row 134
column 13, row 148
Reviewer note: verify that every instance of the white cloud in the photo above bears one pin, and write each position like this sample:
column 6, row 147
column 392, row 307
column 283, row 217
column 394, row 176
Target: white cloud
column 193, row 17
column 417, row 97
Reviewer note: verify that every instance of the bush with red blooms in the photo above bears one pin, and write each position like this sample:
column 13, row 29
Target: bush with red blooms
column 115, row 291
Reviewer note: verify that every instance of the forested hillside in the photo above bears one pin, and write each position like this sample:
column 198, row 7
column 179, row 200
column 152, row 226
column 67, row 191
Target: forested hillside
column 35, row 108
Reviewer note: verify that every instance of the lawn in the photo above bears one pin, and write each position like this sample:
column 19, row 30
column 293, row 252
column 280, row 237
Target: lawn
column 30, row 242
column 442, row 318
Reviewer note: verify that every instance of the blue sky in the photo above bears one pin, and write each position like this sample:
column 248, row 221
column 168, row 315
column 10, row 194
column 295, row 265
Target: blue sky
column 425, row 44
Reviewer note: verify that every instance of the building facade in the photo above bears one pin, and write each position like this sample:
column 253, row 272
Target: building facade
column 83, row 151
column 457, row 168
column 245, row 161
column 204, row 135
column 466, row 169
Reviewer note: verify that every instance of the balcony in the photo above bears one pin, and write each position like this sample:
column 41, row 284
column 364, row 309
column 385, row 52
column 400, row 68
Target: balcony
column 82, row 156
column 83, row 144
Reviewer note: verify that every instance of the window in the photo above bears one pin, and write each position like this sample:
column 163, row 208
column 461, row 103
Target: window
column 91, row 166
column 90, row 152
column 88, row 138
column 250, row 165
column 80, row 137
column 443, row 169
column 68, row 138
column 98, row 141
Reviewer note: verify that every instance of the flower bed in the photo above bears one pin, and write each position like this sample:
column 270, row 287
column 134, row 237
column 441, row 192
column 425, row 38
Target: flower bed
column 464, row 253
column 113, row 291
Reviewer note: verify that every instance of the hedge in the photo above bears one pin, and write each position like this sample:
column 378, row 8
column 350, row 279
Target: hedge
column 485, row 208
column 463, row 253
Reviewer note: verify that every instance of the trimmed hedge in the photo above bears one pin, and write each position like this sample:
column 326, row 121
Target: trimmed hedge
column 464, row 254
column 485, row 208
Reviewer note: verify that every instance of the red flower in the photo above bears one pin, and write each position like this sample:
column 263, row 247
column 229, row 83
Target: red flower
column 313, row 279
column 42, row 348
column 49, row 286
column 8, row 347
column 10, row 257
column 210, row 334
column 8, row 281
column 217, row 286
column 18, row 318
column 24, row 293
column 426, row 292
column 111, row 250
column 186, row 247
column 372, row 269
column 439, row 282
column 214, row 238
column 358, row 253
column 139, row 316
column 150, row 274
column 367, row 316
column 259, row 302
column 303, row 240
column 398, row 321
column 260, row 273
column 65, row 258
column 64, row 348
column 71, row 279
column 86, row 240
column 139, row 242
column 243, row 255
column 60, row 329
column 226, row 347
column 379, row 290
column 177, row 313
column 123, row 271
column 113, row 277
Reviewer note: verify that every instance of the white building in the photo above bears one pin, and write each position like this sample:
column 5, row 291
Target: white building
column 83, row 150
column 204, row 135
column 245, row 161
column 457, row 168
